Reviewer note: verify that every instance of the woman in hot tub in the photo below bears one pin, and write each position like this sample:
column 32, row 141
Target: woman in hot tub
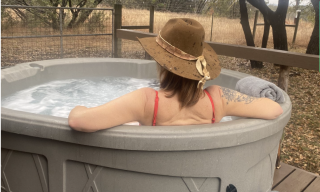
column 185, row 63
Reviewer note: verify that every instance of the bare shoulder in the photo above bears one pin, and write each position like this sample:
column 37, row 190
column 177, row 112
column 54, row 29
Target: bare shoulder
column 148, row 93
column 214, row 90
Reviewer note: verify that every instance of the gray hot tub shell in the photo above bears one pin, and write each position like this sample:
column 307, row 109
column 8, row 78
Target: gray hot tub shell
column 41, row 153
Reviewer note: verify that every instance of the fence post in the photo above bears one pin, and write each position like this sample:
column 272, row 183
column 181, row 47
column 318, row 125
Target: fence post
column 117, row 25
column 211, row 27
column 256, row 15
column 151, row 25
column 296, row 27
column 151, row 21
column 61, row 33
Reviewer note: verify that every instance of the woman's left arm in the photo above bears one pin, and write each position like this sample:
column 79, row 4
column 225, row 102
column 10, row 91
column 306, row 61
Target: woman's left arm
column 127, row 108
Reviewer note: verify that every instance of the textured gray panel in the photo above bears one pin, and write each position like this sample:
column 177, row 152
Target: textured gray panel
column 23, row 172
column 84, row 177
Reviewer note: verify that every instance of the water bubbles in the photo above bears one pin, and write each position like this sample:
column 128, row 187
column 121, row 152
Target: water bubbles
column 57, row 98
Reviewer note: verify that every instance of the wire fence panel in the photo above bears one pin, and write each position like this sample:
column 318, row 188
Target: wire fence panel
column 31, row 33
column 88, row 32
column 224, row 30
column 223, row 19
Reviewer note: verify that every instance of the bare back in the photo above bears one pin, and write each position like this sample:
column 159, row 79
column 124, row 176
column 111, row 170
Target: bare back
column 169, row 112
column 139, row 106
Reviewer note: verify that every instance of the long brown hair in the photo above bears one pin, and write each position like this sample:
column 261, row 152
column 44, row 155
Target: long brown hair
column 188, row 93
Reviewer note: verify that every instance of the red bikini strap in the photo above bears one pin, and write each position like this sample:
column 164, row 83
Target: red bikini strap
column 213, row 117
column 155, row 109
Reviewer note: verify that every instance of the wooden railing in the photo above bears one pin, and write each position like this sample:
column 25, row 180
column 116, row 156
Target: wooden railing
column 286, row 58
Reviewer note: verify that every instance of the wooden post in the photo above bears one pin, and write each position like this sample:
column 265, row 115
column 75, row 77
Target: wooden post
column 151, row 21
column 296, row 27
column 117, row 25
column 211, row 27
column 256, row 15
column 151, row 25
column 61, row 33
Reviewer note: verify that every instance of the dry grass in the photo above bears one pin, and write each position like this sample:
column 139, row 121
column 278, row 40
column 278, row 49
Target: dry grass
column 224, row 30
column 301, row 146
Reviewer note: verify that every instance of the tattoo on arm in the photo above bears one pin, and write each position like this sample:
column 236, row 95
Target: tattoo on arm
column 235, row 96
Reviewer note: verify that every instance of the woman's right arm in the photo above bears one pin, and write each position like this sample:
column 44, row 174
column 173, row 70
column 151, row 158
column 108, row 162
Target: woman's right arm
column 242, row 105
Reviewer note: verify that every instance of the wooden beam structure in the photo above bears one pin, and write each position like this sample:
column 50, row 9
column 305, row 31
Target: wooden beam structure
column 286, row 58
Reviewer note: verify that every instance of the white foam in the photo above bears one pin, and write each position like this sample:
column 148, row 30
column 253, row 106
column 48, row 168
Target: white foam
column 57, row 98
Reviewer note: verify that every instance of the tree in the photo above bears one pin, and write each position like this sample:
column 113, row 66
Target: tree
column 313, row 46
column 247, row 31
column 50, row 17
column 277, row 22
column 84, row 14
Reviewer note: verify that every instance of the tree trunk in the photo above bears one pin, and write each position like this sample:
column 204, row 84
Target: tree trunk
column 265, row 33
column 85, row 14
column 247, row 31
column 83, row 17
column 313, row 46
column 277, row 21
column 283, row 80
column 54, row 20
column 73, row 20
column 279, row 34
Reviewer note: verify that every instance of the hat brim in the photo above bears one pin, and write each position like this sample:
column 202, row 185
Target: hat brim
column 178, row 66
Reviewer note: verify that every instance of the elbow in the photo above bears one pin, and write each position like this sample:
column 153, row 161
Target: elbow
column 279, row 112
column 276, row 112
column 74, row 123
column 76, row 120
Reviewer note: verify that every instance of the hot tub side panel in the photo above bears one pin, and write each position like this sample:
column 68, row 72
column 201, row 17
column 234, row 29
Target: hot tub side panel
column 61, row 166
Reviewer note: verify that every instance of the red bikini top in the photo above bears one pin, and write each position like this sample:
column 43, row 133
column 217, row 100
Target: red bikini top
column 156, row 108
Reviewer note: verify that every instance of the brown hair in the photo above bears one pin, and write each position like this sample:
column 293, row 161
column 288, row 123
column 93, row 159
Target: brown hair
column 188, row 93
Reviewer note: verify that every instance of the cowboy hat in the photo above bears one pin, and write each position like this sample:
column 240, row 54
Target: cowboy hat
column 180, row 48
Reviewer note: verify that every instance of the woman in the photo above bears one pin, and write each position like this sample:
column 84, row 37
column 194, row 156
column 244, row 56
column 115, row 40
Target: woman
column 186, row 62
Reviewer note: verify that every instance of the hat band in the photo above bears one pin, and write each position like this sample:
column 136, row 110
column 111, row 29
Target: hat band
column 201, row 64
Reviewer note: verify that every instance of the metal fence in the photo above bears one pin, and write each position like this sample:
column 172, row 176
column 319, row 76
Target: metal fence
column 30, row 33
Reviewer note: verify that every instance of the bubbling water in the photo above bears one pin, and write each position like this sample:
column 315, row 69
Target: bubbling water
column 57, row 98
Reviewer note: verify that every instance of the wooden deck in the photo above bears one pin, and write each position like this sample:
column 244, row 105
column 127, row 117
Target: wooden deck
column 292, row 179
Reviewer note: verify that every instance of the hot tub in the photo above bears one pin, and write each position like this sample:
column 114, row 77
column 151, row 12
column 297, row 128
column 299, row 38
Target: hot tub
column 41, row 153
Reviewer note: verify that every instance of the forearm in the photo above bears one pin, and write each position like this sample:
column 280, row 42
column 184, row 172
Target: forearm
column 77, row 119
column 238, row 104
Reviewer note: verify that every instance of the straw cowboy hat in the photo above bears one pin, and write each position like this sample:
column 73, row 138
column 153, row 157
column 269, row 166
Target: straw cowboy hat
column 180, row 48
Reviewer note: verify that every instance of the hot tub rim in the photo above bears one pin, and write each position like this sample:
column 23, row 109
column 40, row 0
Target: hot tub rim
column 164, row 138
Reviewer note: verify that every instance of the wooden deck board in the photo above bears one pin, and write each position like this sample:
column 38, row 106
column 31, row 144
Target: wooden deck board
column 281, row 173
column 293, row 179
column 314, row 186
